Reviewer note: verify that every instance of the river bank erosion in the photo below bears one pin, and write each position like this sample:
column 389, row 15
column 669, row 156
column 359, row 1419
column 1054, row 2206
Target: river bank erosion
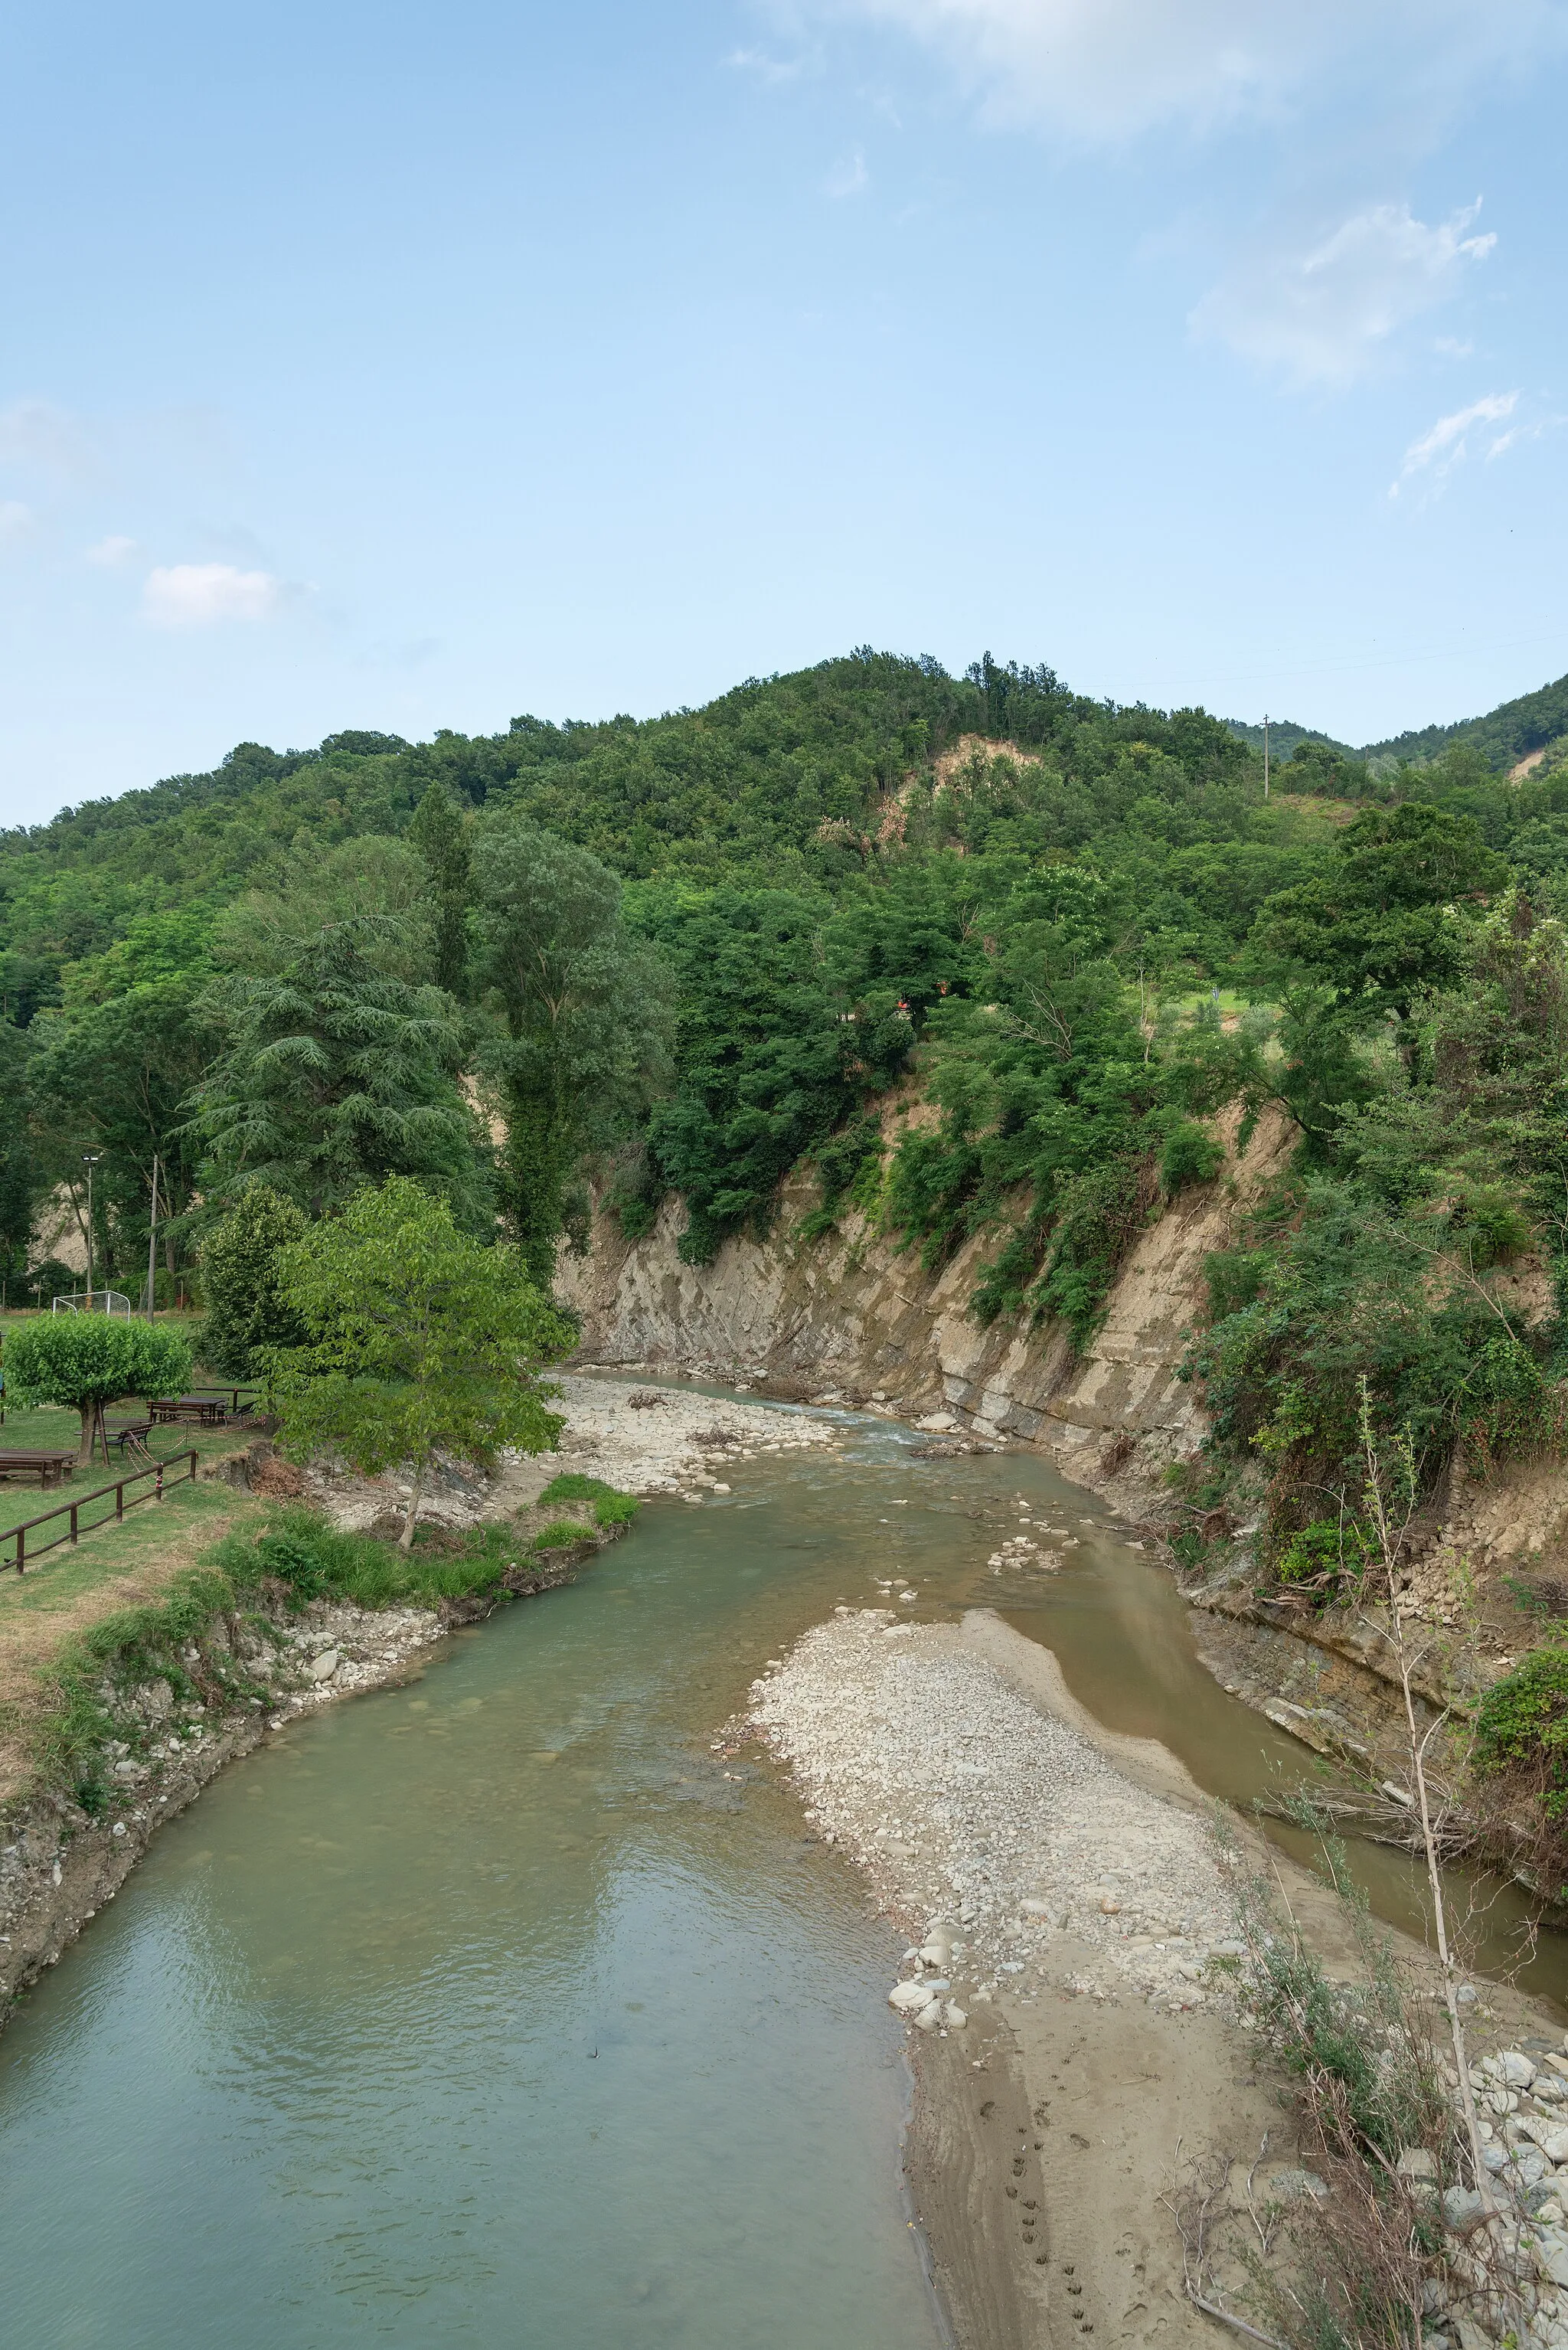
column 650, row 1893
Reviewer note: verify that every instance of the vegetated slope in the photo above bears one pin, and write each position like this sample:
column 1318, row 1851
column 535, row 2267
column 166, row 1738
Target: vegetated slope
column 1077, row 926
column 1284, row 737
column 1503, row 737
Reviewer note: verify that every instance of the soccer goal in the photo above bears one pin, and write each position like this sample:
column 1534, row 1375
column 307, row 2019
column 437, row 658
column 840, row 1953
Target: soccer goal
column 94, row 1301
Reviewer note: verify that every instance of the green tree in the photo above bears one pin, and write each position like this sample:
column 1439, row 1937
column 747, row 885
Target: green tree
column 247, row 1316
column 420, row 1341
column 334, row 1076
column 86, row 1360
column 441, row 836
column 587, row 1013
column 1388, row 920
column 23, row 1183
column 114, row 1077
column 379, row 887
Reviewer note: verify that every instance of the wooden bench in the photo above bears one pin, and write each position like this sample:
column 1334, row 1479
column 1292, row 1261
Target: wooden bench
column 130, row 1435
column 48, row 1468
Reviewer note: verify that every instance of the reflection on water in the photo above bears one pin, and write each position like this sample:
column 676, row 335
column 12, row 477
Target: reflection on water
column 490, row 2011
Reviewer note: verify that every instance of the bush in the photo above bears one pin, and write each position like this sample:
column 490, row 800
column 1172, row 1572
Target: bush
column 1522, row 1726
column 1190, row 1156
column 1326, row 1559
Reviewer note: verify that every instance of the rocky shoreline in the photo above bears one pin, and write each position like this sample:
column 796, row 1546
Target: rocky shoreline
column 1074, row 1990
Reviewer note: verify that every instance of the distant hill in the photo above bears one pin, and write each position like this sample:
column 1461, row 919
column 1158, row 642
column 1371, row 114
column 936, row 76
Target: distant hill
column 1284, row 736
column 1503, row 737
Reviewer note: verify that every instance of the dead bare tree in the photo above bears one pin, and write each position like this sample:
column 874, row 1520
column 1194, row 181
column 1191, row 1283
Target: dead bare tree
column 1380, row 1488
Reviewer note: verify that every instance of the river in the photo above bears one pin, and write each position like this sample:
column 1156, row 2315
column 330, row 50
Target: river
column 501, row 2009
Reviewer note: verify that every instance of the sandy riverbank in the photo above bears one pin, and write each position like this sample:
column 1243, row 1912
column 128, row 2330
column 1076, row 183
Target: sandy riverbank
column 1065, row 1888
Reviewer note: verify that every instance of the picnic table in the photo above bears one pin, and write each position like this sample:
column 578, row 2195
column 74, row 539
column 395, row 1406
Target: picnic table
column 48, row 1467
column 130, row 1435
column 198, row 1410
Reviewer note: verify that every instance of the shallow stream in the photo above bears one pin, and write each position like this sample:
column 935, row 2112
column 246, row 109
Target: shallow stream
column 501, row 2009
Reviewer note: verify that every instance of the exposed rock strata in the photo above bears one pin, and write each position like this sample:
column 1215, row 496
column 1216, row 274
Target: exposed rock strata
column 853, row 1316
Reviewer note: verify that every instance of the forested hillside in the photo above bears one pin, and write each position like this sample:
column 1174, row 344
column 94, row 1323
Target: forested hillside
column 688, row 954
column 1535, row 722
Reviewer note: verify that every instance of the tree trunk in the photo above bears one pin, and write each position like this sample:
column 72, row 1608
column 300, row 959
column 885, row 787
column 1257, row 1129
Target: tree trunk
column 89, row 1428
column 406, row 1539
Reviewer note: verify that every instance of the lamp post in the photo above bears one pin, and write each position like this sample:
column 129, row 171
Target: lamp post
column 89, row 1161
column 153, row 1247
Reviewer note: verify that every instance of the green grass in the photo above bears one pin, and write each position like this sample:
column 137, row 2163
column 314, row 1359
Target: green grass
column 611, row 1508
column 50, row 1426
column 558, row 1533
column 62, row 1578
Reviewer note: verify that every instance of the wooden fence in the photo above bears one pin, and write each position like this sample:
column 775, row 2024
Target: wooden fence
column 163, row 1472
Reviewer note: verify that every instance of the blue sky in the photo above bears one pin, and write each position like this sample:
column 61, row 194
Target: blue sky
column 410, row 367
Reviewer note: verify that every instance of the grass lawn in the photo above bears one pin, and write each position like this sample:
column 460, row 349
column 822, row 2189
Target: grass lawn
column 48, row 1427
column 125, row 1565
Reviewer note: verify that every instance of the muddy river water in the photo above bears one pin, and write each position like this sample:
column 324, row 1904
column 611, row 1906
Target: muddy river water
column 501, row 2009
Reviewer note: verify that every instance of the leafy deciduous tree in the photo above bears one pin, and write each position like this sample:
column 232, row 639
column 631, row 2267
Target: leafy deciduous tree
column 420, row 1340
column 86, row 1360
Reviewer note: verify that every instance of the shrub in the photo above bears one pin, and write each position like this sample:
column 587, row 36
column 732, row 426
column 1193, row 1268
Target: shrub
column 1522, row 1726
column 1326, row 1559
column 86, row 1360
column 1190, row 1156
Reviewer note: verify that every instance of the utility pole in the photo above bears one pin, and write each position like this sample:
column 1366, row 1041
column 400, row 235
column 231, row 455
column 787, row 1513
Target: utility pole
column 152, row 1246
column 1265, row 754
column 89, row 1161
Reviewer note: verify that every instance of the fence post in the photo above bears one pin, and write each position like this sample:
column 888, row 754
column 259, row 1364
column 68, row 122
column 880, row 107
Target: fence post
column 158, row 1487
column 192, row 1468
column 21, row 1546
column 120, row 1501
column 73, row 1521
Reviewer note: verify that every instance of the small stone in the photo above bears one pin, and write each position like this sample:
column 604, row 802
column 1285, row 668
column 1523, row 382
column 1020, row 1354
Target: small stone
column 323, row 1666
column 119, row 1828
column 954, row 2016
column 1417, row 2162
column 1517, row 2069
column 1294, row 2186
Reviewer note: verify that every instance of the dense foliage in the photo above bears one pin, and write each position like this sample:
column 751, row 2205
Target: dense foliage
column 706, row 951
column 86, row 1360
column 418, row 1339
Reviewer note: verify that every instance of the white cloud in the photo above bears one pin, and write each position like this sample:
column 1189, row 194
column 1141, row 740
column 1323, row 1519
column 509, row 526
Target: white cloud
column 1324, row 316
column 849, row 175
column 196, row 594
column 1098, row 70
column 111, row 552
column 15, row 519
column 1448, row 443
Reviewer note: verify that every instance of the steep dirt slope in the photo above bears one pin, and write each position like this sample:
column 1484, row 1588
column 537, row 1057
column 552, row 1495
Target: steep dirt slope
column 851, row 1316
